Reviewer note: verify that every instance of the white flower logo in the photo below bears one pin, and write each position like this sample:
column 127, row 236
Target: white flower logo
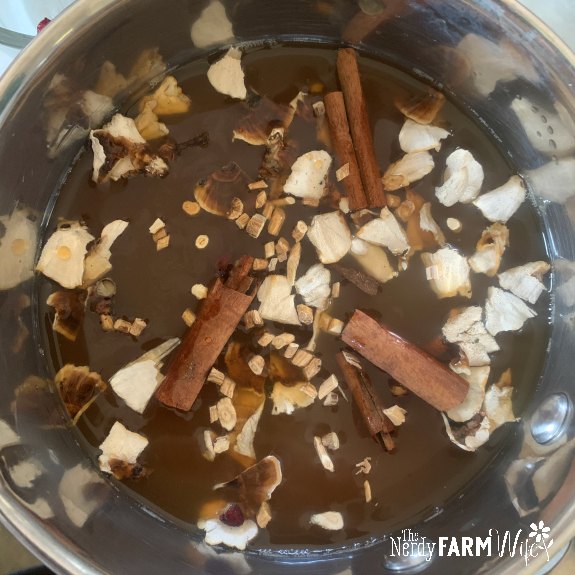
column 540, row 532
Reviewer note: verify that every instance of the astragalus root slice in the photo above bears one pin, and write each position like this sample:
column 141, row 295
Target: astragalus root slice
column 136, row 382
column 308, row 175
column 226, row 75
column 428, row 224
column 448, row 273
column 415, row 137
column 17, row 248
column 97, row 263
column 409, row 169
column 120, row 152
column 385, row 231
column 329, row 520
column 217, row 533
column 314, row 286
column 323, row 455
column 505, row 311
column 525, row 281
column 121, row 445
column 500, row 204
column 373, row 260
column 463, row 179
column 286, row 399
column 472, row 403
column 277, row 301
column 465, row 328
column 62, row 258
column 489, row 250
column 330, row 236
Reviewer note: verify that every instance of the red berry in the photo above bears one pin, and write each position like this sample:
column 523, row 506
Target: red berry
column 232, row 515
column 42, row 24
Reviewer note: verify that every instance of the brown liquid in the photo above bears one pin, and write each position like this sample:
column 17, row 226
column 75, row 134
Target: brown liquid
column 427, row 470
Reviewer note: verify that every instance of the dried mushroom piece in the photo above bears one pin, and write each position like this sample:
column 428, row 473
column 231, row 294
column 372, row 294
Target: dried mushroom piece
column 463, row 179
column 148, row 124
column 121, row 446
column 264, row 115
column 219, row 191
column 314, row 286
column 330, row 236
column 78, row 386
column 308, row 177
column 471, row 405
column 169, row 99
column 276, row 300
column 385, row 231
column 469, row 436
column 466, row 329
column 287, row 398
column 489, row 250
column 70, row 307
column 120, row 152
column 373, row 260
column 500, row 204
column 329, row 520
column 97, row 262
column 226, row 75
column 505, row 311
column 448, row 273
column 255, row 484
column 525, row 281
column 62, row 258
column 422, row 108
column 136, row 382
column 415, row 137
column 17, row 247
column 409, row 169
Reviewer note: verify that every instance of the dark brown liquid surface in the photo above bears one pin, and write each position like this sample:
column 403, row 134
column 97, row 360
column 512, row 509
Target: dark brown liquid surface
column 427, row 470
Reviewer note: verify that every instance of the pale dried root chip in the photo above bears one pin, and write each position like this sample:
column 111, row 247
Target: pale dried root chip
column 226, row 75
column 330, row 520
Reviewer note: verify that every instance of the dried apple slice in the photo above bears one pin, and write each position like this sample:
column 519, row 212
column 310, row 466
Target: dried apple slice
column 415, row 137
column 409, row 169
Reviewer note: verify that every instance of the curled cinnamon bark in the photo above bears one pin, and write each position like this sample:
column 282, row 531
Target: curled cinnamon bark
column 368, row 402
column 356, row 108
column 341, row 137
column 422, row 374
column 218, row 317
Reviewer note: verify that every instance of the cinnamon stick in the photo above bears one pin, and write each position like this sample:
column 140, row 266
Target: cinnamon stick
column 348, row 73
column 341, row 137
column 412, row 367
column 368, row 402
column 218, row 317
